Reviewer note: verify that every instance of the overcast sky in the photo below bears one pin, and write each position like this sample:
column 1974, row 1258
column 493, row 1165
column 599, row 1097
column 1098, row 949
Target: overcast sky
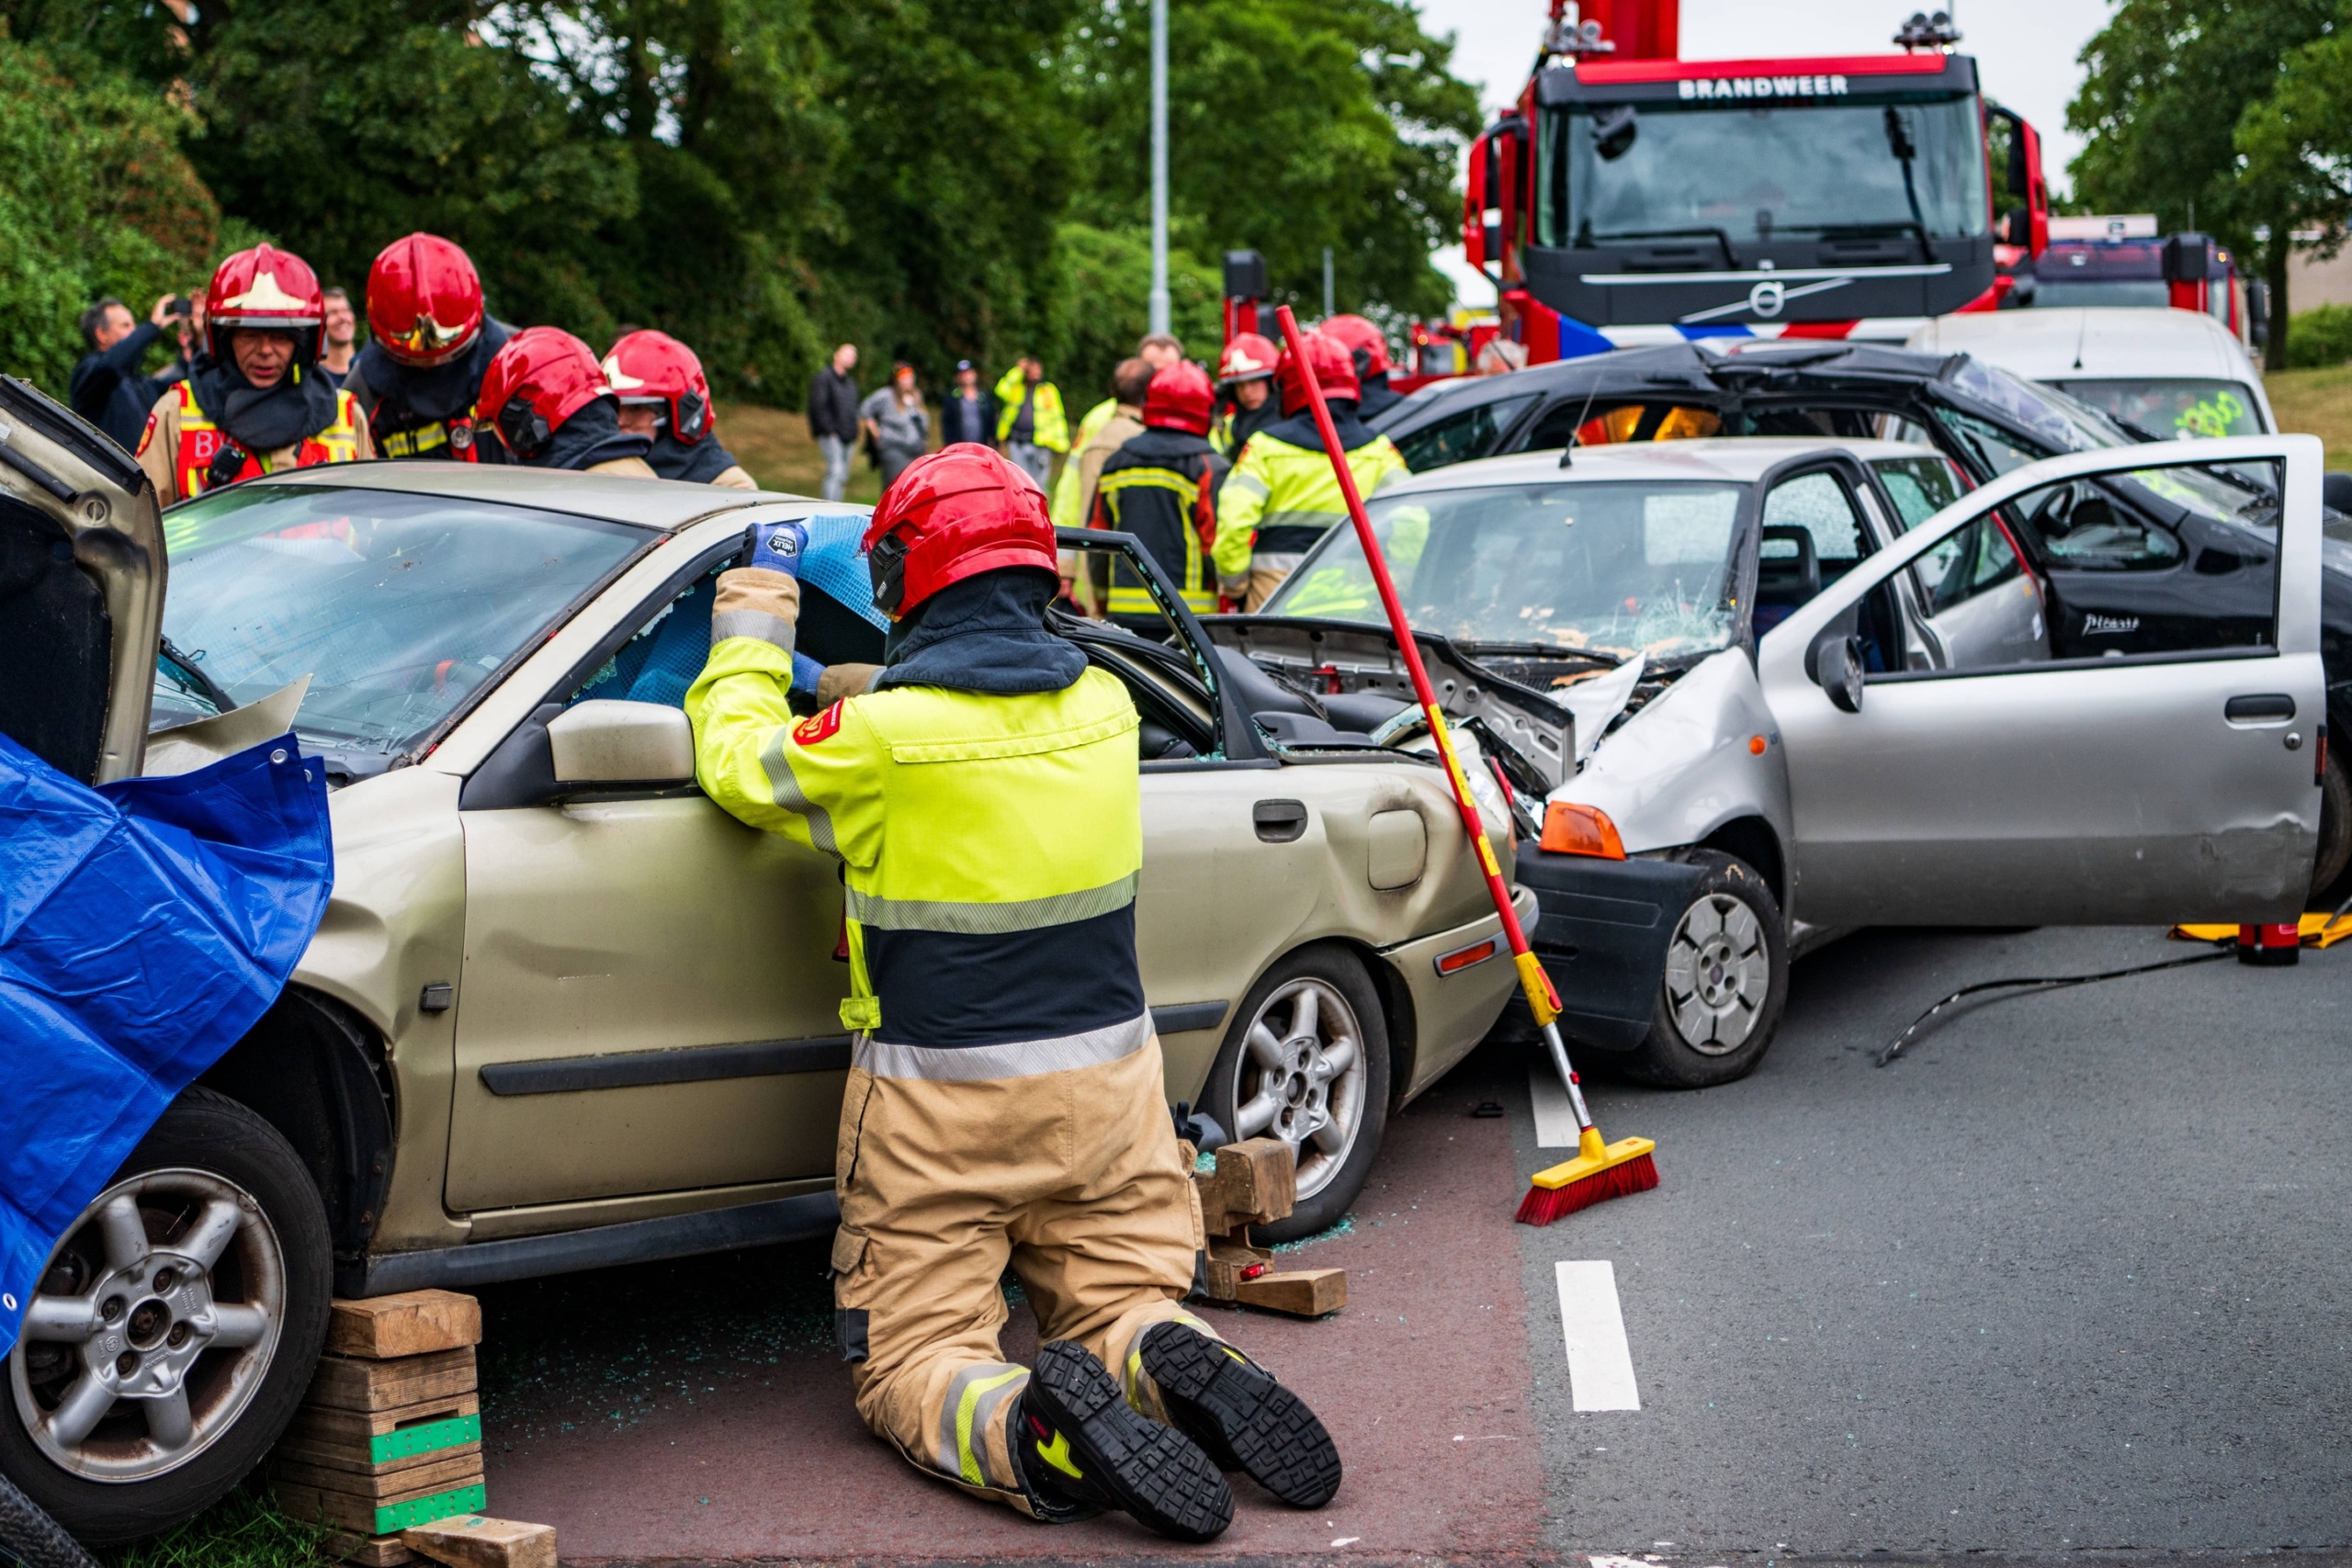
column 2025, row 53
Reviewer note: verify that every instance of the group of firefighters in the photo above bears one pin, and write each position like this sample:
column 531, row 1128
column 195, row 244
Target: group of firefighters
column 438, row 378
column 1225, row 482
column 1005, row 1102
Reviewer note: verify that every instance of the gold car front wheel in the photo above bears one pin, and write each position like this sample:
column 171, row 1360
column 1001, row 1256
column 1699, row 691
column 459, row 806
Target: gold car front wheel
column 1306, row 1060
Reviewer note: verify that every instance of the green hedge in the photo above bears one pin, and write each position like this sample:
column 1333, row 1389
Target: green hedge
column 2320, row 336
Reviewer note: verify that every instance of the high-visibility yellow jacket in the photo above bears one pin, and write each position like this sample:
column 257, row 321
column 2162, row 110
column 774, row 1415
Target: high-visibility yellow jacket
column 1069, row 507
column 1051, row 424
column 990, row 845
column 1282, row 495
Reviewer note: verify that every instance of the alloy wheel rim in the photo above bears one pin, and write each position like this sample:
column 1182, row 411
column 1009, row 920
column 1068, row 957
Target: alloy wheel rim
column 1718, row 973
column 155, row 1321
column 1302, row 1078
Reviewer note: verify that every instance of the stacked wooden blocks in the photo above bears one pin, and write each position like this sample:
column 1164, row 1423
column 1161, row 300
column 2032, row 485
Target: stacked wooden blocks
column 390, row 1436
column 1256, row 1183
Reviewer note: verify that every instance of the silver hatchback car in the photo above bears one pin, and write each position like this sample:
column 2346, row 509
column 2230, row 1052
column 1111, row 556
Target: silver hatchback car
column 1817, row 685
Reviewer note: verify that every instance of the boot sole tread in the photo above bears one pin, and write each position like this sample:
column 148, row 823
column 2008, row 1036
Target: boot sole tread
column 1157, row 1473
column 1268, row 1431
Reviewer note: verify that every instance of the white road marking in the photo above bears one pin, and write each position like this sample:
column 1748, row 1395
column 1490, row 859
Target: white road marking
column 1555, row 1123
column 1601, row 1364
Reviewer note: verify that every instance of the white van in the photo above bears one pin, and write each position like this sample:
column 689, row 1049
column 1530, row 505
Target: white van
column 2170, row 373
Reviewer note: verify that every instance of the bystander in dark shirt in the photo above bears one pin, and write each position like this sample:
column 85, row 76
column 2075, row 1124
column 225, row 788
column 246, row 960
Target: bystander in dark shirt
column 108, row 389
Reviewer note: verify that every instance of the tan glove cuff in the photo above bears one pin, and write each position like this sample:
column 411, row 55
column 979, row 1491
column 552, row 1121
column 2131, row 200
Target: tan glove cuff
column 752, row 601
column 841, row 680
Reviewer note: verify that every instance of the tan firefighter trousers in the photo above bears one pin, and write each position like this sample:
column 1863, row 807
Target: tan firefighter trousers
column 1074, row 1177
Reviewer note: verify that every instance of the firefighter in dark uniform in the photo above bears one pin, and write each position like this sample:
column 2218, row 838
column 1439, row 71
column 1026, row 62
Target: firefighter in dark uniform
column 429, row 345
column 1162, row 487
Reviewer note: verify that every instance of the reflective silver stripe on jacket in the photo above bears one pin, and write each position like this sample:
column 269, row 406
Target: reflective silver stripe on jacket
column 768, row 629
column 990, row 920
column 1285, row 561
column 1018, row 1059
column 785, row 790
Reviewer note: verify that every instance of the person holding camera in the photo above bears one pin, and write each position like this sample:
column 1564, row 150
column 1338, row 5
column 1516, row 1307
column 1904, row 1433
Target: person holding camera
column 255, row 404
column 106, row 387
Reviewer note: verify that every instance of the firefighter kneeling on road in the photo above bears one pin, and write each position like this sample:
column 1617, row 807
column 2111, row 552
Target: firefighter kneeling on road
column 1005, row 1099
column 666, row 397
column 1162, row 487
column 1283, row 496
column 257, row 404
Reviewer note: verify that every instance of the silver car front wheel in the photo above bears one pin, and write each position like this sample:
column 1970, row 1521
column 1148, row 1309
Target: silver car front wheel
column 1725, row 981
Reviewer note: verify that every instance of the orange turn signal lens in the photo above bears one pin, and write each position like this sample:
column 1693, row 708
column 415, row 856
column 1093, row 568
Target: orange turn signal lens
column 1573, row 830
column 1462, row 958
column 1756, row 745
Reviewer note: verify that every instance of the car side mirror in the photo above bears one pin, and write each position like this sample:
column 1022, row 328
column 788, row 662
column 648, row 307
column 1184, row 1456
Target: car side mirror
column 1838, row 668
column 2019, row 228
column 606, row 742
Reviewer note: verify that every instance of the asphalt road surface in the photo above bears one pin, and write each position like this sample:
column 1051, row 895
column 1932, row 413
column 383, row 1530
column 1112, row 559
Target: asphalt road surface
column 2071, row 1277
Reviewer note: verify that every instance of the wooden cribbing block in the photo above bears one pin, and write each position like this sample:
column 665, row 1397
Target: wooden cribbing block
column 1304, row 1293
column 347, row 1382
column 472, row 1541
column 444, row 1472
column 415, row 1323
column 375, row 1517
column 399, row 1438
column 368, row 1550
column 1256, row 1183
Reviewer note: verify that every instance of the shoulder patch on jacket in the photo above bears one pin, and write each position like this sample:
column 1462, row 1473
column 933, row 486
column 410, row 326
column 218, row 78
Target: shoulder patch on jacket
column 819, row 727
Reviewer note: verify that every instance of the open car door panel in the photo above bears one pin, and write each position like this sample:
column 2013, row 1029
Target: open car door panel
column 2177, row 779
column 81, row 590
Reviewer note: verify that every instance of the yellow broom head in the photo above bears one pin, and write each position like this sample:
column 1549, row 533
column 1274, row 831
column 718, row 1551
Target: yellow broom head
column 1600, row 1172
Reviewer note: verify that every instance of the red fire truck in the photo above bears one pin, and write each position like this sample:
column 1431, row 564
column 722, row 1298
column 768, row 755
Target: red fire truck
column 1633, row 196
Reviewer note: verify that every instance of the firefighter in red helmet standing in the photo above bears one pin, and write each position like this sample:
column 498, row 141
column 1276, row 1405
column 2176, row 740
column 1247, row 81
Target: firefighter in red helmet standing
column 1368, row 346
column 1245, row 389
column 429, row 344
column 256, row 403
column 1282, row 495
column 1162, row 487
column 1005, row 1104
column 665, row 397
column 546, row 397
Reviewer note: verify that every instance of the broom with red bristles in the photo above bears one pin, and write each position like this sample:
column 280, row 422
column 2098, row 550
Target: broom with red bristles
column 1601, row 1170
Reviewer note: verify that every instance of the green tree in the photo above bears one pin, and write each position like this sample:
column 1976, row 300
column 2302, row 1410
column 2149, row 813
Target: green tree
column 2168, row 84
column 2293, row 149
column 97, row 200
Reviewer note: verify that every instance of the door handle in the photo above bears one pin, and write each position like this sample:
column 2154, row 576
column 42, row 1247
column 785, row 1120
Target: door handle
column 2262, row 707
column 1280, row 821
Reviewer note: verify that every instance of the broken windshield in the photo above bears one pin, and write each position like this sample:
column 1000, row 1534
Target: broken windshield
column 1610, row 569
column 398, row 606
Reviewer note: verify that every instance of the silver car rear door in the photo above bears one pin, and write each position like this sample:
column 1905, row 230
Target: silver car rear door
column 2168, row 782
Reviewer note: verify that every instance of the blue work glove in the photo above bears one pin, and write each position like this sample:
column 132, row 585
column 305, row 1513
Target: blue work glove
column 805, row 673
column 775, row 546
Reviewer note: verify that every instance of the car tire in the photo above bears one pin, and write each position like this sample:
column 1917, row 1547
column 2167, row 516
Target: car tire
column 2334, row 850
column 1270, row 1080
column 236, row 1339
column 1726, row 984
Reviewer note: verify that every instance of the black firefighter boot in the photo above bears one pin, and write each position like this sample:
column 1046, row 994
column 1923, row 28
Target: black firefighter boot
column 1241, row 1417
column 1083, row 1448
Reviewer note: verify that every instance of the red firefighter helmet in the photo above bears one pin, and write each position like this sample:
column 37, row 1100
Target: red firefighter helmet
column 1333, row 367
column 268, row 288
column 654, row 367
column 1247, row 358
column 539, row 378
column 961, row 510
column 423, row 300
column 1367, row 343
column 1179, row 398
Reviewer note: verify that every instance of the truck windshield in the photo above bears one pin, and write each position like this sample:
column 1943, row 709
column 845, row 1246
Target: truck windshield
column 1747, row 172
column 397, row 606
column 1611, row 569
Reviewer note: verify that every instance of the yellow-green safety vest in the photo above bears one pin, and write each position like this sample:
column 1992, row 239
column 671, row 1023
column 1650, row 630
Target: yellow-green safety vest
column 1051, row 426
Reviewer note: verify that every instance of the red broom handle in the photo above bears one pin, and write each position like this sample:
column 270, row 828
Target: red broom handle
column 1541, row 996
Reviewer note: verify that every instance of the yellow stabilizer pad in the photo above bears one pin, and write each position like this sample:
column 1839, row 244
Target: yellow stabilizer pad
column 1590, row 1163
column 2320, row 929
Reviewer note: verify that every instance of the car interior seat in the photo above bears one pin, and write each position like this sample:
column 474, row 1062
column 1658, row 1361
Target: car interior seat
column 1788, row 572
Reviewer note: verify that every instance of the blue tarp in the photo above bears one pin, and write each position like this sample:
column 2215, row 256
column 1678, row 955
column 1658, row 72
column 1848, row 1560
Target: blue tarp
column 144, row 926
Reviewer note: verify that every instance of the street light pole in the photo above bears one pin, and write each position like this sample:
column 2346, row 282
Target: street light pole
column 1158, row 309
